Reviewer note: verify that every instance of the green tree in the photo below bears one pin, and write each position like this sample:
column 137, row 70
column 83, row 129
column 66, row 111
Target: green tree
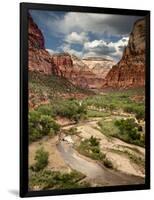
column 41, row 159
column 128, row 129
column 41, row 125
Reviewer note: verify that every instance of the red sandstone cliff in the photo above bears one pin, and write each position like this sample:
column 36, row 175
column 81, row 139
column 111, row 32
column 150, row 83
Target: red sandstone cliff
column 76, row 71
column 130, row 71
column 38, row 58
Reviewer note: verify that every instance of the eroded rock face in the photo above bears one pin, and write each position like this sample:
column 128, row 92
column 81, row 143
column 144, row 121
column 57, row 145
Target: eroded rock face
column 130, row 71
column 99, row 66
column 72, row 68
column 63, row 64
column 38, row 58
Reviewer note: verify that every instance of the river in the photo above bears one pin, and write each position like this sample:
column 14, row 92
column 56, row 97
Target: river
column 93, row 171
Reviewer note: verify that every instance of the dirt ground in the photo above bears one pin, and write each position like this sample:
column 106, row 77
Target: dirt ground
column 116, row 150
column 56, row 162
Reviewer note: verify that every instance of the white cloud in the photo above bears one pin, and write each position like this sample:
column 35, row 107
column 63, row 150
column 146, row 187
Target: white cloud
column 91, row 22
column 84, row 22
column 103, row 48
column 67, row 48
column 109, row 50
column 89, row 30
column 51, row 51
column 120, row 45
column 76, row 38
column 100, row 46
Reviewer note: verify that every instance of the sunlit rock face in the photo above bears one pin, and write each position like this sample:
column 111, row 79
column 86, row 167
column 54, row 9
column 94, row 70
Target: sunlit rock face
column 38, row 58
column 99, row 66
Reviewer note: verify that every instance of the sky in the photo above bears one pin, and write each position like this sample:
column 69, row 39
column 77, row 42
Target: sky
column 84, row 34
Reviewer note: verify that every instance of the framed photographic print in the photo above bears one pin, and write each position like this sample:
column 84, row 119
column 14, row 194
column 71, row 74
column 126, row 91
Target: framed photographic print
column 85, row 99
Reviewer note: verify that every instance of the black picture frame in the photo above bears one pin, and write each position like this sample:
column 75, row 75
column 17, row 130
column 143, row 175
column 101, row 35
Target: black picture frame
column 24, row 7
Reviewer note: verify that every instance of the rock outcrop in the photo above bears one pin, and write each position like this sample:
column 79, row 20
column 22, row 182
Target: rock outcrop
column 130, row 71
column 38, row 58
column 72, row 68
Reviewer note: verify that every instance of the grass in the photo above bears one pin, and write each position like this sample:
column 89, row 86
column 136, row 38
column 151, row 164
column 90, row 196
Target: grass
column 95, row 113
column 47, row 179
column 108, row 128
column 91, row 148
column 118, row 100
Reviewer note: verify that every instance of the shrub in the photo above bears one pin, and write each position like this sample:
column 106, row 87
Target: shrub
column 108, row 128
column 138, row 110
column 108, row 163
column 41, row 158
column 93, row 141
column 129, row 109
column 90, row 147
column 41, row 125
column 128, row 126
column 71, row 131
column 129, row 131
column 140, row 114
column 47, row 179
column 46, row 110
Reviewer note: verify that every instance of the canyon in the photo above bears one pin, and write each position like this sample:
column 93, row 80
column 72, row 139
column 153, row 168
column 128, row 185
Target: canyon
column 91, row 72
column 87, row 114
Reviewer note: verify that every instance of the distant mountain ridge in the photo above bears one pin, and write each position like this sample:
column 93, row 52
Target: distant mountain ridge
column 99, row 66
column 96, row 58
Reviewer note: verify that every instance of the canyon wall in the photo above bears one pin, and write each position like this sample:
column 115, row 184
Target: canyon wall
column 130, row 70
column 38, row 58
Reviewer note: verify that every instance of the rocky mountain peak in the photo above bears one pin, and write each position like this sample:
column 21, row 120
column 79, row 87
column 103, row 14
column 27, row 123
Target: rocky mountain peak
column 97, row 58
column 38, row 58
column 130, row 70
column 36, row 39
